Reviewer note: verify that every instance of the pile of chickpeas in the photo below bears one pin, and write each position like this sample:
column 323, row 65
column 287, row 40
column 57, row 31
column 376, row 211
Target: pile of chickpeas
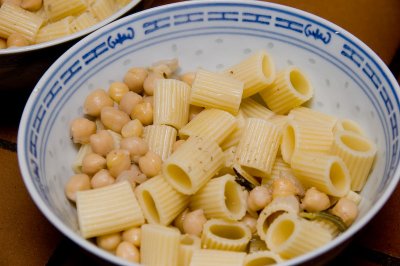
column 123, row 111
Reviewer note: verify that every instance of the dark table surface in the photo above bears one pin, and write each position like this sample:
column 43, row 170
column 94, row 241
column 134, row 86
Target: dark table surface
column 27, row 238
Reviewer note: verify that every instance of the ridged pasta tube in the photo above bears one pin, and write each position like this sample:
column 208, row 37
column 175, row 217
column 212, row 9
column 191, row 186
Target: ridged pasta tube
column 211, row 257
column 55, row 30
column 221, row 197
column 83, row 21
column 252, row 108
column 258, row 147
column 305, row 137
column 160, row 139
column 193, row 164
column 358, row 153
column 263, row 258
column 279, row 169
column 225, row 235
column 348, row 125
column 290, row 89
column 211, row 124
column 256, row 72
column 159, row 201
column 59, row 9
column 305, row 114
column 84, row 150
column 215, row 90
column 188, row 244
column 279, row 121
column 234, row 138
column 103, row 9
column 171, row 103
column 354, row 196
column 108, row 210
column 328, row 173
column 16, row 19
column 159, row 245
column 276, row 207
column 291, row 236
column 327, row 225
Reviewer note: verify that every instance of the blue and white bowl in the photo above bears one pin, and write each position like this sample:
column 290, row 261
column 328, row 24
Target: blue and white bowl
column 350, row 81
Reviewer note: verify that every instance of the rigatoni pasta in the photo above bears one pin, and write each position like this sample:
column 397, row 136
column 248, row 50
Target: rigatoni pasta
column 59, row 9
column 265, row 257
column 55, row 30
column 188, row 244
column 211, row 257
column 160, row 139
column 252, row 108
column 305, row 114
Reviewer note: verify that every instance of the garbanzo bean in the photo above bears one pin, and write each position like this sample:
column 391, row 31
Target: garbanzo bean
column 283, row 186
column 137, row 147
column 139, row 176
column 118, row 161
column 113, row 119
column 127, row 175
column 109, row 242
column 129, row 101
column 258, row 198
column 188, row 78
column 132, row 235
column 251, row 222
column 17, row 40
column 133, row 128
column 95, row 101
column 128, row 252
column 346, row 209
column 149, row 99
column 117, row 90
column 193, row 222
column 143, row 112
column 92, row 163
column 315, row 200
column 82, row 129
column 165, row 67
column 102, row 142
column 150, row 164
column 3, row 43
column 102, row 178
column 178, row 221
column 76, row 183
column 135, row 77
column 31, row 5
column 150, row 82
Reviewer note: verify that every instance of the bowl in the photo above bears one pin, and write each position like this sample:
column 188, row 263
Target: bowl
column 349, row 79
column 21, row 67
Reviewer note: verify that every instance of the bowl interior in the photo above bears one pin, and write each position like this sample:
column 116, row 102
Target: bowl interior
column 350, row 81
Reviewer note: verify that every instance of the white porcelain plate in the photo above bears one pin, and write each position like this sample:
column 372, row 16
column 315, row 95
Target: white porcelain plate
column 350, row 81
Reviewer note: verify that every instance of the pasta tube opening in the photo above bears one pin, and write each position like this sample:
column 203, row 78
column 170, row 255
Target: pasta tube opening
column 187, row 240
column 355, row 143
column 179, row 176
column 261, row 261
column 288, row 143
column 338, row 176
column 299, row 82
column 282, row 232
column 262, row 258
column 349, row 125
column 151, row 205
column 227, row 231
column 233, row 197
column 270, row 219
column 268, row 67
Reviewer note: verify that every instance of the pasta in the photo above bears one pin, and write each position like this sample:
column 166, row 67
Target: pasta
column 159, row 245
column 221, row 197
column 159, row 201
column 214, row 90
column 102, row 9
column 256, row 72
column 59, row 9
column 55, row 30
column 211, row 124
column 290, row 89
column 119, row 210
column 225, row 235
column 203, row 203
column 83, row 21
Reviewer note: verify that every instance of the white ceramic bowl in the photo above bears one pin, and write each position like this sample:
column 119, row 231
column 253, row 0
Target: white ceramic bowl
column 349, row 79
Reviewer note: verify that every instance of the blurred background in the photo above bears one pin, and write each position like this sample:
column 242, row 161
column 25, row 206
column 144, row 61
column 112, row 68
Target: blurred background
column 28, row 238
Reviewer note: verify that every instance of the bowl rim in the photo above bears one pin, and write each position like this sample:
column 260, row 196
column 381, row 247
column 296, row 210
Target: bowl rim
column 85, row 244
column 119, row 13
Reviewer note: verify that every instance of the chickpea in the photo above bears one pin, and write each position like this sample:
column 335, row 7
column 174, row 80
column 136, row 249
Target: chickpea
column 188, row 78
column 128, row 252
column 127, row 175
column 346, row 209
column 113, row 119
column 177, row 144
column 162, row 70
column 128, row 101
column 117, row 90
column 17, row 40
column 251, row 222
column 31, row 5
column 118, row 161
column 136, row 146
column 109, row 242
column 178, row 221
column 92, row 163
column 193, row 111
column 149, row 99
column 193, row 222
column 283, row 186
column 135, row 77
column 133, row 128
column 139, row 176
column 315, row 201
column 150, row 82
column 102, row 178
column 78, row 182
column 102, row 142
column 258, row 198
column 172, row 65
column 82, row 129
column 150, row 164
column 3, row 44
column 132, row 235
column 95, row 101
column 143, row 112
